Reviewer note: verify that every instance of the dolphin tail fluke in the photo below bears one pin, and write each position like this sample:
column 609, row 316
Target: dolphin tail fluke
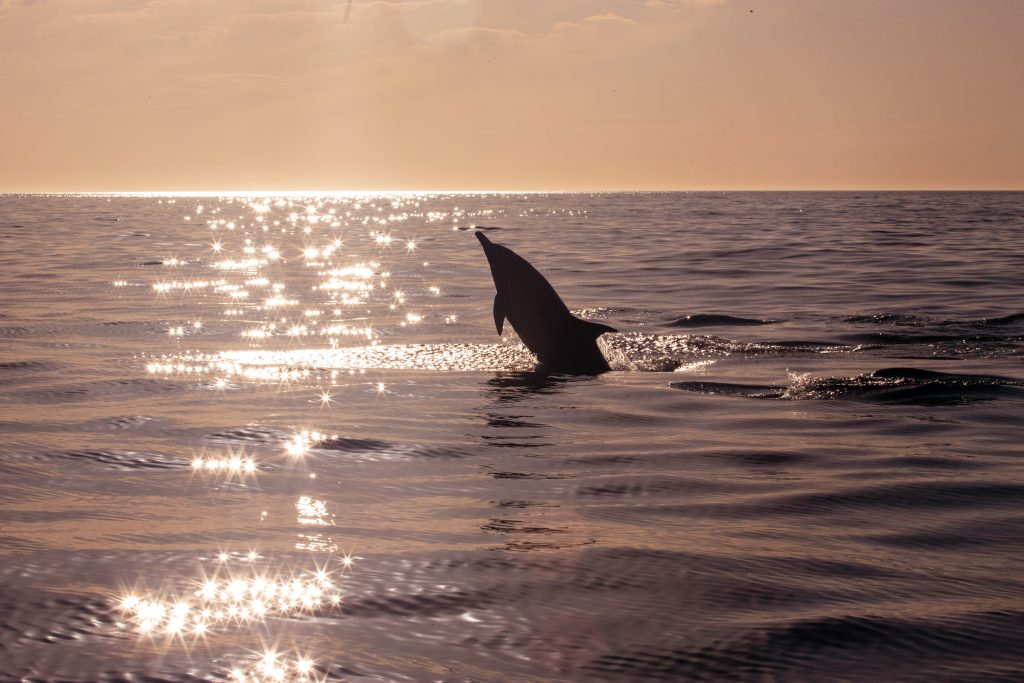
column 594, row 329
column 499, row 312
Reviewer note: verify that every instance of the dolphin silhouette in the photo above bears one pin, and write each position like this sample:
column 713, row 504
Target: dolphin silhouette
column 561, row 341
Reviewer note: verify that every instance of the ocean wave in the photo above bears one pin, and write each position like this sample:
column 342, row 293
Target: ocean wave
column 717, row 320
column 814, row 648
column 27, row 365
column 126, row 460
column 903, row 339
column 359, row 448
column 100, row 390
column 991, row 337
column 666, row 353
column 888, row 385
column 908, row 320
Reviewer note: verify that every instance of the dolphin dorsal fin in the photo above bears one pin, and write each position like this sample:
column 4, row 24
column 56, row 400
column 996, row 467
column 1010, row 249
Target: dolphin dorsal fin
column 594, row 329
column 499, row 313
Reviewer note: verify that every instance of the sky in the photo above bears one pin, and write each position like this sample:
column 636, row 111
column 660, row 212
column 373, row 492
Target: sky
column 180, row 95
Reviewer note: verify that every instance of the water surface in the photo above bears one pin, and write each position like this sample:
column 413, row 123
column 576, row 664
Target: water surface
column 277, row 438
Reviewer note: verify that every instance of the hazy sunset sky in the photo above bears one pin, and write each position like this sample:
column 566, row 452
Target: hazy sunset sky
column 109, row 95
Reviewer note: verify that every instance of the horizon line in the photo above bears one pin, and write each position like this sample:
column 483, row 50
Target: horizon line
column 381, row 191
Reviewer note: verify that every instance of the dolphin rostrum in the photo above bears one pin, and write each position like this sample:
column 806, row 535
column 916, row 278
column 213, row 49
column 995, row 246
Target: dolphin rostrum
column 561, row 341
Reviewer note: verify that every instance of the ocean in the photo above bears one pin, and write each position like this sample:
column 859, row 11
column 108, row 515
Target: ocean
column 278, row 438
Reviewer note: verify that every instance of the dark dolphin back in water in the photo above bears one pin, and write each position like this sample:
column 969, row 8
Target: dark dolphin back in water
column 561, row 341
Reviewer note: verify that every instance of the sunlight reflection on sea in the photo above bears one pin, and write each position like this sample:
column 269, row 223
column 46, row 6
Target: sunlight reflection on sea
column 804, row 460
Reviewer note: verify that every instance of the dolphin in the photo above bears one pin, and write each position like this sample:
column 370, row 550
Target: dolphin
column 561, row 341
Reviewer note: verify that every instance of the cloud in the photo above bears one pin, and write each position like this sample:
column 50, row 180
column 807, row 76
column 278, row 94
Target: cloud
column 680, row 4
column 11, row 4
column 601, row 22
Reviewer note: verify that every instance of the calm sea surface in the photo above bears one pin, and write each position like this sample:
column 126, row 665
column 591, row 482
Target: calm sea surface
column 277, row 438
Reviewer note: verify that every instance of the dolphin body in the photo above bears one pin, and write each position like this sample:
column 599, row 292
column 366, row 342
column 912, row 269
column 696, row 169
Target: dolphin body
column 561, row 341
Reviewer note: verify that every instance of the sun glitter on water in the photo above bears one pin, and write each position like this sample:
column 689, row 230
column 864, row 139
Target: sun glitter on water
column 240, row 598
column 274, row 245
column 274, row 276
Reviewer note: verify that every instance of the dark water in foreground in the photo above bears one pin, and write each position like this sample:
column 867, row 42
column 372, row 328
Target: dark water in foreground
column 278, row 439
